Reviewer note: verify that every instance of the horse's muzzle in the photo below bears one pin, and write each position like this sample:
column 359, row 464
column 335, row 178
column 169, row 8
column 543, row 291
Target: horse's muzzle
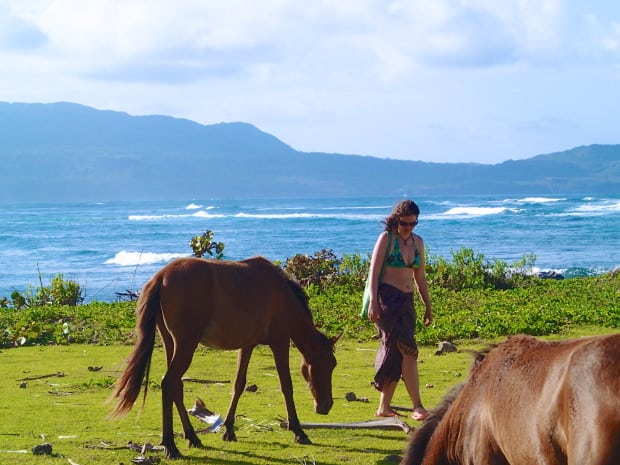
column 323, row 407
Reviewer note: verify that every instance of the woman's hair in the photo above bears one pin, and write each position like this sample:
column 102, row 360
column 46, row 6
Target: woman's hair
column 402, row 208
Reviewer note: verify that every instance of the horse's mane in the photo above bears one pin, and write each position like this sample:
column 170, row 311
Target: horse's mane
column 303, row 298
column 416, row 448
column 298, row 291
column 422, row 435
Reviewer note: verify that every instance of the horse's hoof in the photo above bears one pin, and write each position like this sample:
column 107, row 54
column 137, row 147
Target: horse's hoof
column 173, row 453
column 196, row 444
column 229, row 437
column 303, row 440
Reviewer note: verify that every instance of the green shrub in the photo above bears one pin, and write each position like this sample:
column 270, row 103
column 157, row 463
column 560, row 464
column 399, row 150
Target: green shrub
column 320, row 269
column 204, row 245
column 469, row 270
column 61, row 291
column 466, row 303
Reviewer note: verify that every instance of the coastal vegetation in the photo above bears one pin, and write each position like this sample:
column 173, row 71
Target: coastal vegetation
column 472, row 298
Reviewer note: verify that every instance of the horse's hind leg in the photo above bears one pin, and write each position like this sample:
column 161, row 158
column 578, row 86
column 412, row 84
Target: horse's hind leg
column 281, row 357
column 243, row 360
column 172, row 392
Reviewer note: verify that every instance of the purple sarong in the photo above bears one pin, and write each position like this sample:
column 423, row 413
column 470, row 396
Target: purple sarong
column 396, row 330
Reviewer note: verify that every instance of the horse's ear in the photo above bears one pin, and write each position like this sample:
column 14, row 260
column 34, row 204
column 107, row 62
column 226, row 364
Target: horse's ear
column 334, row 339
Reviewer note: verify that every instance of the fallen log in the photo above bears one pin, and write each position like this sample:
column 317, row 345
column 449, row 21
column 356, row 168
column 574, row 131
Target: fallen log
column 204, row 381
column 58, row 374
column 383, row 424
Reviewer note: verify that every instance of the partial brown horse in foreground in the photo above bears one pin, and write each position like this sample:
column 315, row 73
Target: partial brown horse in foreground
column 225, row 305
column 530, row 402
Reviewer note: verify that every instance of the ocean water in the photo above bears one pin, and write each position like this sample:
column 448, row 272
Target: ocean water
column 114, row 247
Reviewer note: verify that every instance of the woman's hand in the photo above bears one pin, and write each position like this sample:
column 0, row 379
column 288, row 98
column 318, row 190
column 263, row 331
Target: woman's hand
column 428, row 317
column 373, row 312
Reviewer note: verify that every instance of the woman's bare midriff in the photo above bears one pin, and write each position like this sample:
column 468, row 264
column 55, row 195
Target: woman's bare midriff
column 400, row 278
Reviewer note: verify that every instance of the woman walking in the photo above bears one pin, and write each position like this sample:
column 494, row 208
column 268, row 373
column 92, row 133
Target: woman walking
column 397, row 263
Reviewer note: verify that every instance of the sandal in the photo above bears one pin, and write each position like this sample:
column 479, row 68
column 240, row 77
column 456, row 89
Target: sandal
column 419, row 413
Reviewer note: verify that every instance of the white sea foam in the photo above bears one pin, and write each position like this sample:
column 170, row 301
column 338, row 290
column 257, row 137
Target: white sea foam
column 297, row 216
column 278, row 216
column 537, row 271
column 205, row 214
column 600, row 208
column 267, row 216
column 538, row 200
column 476, row 211
column 360, row 207
column 193, row 206
column 154, row 217
column 124, row 258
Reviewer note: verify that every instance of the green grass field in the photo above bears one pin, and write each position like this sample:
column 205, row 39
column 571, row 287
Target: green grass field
column 49, row 395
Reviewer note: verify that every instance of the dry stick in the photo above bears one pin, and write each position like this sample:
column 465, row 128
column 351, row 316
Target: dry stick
column 58, row 374
column 204, row 381
column 402, row 409
column 386, row 423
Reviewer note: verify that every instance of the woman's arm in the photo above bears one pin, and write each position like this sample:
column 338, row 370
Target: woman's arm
column 419, row 275
column 376, row 261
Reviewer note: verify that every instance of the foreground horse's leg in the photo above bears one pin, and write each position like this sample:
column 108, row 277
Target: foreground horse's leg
column 281, row 357
column 172, row 392
column 243, row 360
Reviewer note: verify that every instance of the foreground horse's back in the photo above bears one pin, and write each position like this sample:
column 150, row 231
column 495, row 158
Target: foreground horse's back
column 592, row 403
column 530, row 401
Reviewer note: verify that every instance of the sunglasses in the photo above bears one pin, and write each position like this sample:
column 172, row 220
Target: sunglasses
column 407, row 223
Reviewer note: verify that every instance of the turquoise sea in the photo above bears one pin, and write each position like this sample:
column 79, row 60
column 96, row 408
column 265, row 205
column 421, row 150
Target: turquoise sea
column 113, row 247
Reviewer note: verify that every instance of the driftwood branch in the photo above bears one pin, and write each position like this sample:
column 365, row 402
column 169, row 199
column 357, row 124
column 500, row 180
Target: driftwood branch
column 204, row 381
column 401, row 409
column 52, row 375
column 383, row 424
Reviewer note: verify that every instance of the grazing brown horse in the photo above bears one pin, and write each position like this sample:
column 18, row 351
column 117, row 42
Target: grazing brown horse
column 225, row 305
column 529, row 402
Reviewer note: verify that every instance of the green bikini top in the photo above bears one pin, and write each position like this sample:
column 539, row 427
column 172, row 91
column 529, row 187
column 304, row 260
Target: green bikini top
column 395, row 259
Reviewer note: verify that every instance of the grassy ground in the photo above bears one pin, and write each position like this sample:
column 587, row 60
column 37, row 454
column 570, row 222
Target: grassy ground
column 69, row 410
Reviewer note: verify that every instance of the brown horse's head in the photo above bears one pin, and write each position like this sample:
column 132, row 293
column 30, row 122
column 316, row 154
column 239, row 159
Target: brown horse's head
column 318, row 374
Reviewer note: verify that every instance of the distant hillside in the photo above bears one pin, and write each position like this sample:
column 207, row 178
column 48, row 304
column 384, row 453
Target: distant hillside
column 65, row 151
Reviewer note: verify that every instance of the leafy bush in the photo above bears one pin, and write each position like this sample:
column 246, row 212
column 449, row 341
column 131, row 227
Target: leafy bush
column 94, row 323
column 204, row 245
column 319, row 269
column 61, row 291
column 353, row 270
column 469, row 270
column 467, row 303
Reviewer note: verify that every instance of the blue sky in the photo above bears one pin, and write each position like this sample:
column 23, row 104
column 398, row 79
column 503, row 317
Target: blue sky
column 434, row 80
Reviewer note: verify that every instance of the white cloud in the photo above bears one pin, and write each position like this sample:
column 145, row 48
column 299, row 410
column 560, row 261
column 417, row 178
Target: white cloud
column 352, row 76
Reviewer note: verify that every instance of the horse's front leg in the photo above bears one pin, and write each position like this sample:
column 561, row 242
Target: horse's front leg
column 243, row 360
column 281, row 357
column 172, row 393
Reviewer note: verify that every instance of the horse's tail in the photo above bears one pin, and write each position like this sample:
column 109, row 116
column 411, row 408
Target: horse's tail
column 139, row 362
column 416, row 449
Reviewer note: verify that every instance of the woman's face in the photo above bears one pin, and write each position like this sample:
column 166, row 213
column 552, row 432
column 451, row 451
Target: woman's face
column 406, row 224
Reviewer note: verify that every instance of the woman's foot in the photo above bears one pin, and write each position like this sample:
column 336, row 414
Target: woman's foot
column 387, row 413
column 419, row 413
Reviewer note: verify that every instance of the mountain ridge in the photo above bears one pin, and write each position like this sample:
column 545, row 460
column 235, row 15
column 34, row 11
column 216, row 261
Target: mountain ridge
column 67, row 151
